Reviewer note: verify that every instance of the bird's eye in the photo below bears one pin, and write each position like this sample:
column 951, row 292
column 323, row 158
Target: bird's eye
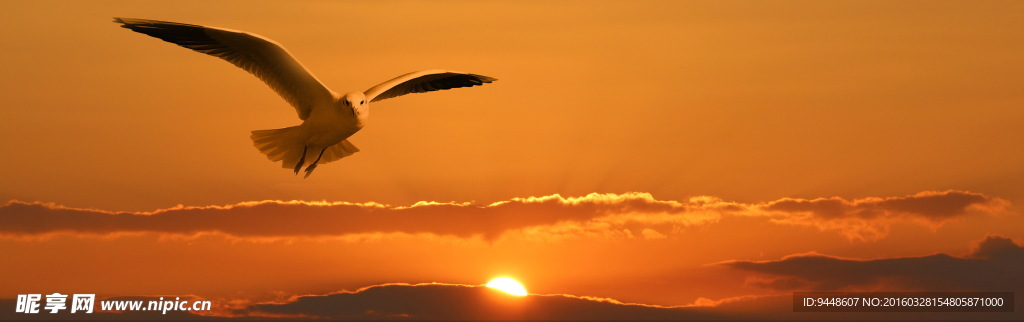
column 361, row 102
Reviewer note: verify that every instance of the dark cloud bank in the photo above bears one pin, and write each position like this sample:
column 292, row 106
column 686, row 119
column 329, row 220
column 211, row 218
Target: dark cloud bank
column 996, row 265
column 462, row 302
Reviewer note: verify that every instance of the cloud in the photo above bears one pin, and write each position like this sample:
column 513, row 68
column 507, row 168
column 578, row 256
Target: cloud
column 996, row 264
column 870, row 218
column 311, row 219
column 637, row 215
column 461, row 302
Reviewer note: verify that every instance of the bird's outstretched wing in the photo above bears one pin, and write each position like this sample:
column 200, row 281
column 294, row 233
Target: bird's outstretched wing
column 260, row 56
column 424, row 81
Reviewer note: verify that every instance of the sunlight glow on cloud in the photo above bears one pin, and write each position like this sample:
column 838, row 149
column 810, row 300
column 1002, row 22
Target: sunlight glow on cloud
column 627, row 215
column 459, row 302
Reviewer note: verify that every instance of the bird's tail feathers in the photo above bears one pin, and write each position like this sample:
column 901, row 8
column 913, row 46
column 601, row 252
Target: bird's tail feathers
column 284, row 145
column 287, row 145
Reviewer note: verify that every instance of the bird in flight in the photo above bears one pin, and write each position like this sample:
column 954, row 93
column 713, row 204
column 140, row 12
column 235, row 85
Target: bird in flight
column 328, row 119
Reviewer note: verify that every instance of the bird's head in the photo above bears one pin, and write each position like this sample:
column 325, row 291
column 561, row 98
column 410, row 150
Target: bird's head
column 357, row 103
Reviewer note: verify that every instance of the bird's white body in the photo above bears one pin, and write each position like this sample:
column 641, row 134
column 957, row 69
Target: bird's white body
column 327, row 126
column 328, row 119
column 331, row 124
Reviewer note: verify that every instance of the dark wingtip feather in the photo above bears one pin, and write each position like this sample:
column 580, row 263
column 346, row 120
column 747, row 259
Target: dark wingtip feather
column 484, row 79
column 121, row 21
column 186, row 35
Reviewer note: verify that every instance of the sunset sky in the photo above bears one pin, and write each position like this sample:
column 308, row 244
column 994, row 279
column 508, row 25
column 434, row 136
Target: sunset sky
column 701, row 159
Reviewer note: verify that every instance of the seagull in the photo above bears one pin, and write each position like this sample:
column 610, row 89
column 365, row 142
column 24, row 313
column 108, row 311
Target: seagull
column 328, row 119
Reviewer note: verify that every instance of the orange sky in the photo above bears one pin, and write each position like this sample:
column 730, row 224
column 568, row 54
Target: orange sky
column 856, row 130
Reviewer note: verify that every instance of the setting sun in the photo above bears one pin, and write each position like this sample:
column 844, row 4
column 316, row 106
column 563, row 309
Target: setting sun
column 508, row 285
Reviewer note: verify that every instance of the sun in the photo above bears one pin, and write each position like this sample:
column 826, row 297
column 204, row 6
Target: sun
column 508, row 285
